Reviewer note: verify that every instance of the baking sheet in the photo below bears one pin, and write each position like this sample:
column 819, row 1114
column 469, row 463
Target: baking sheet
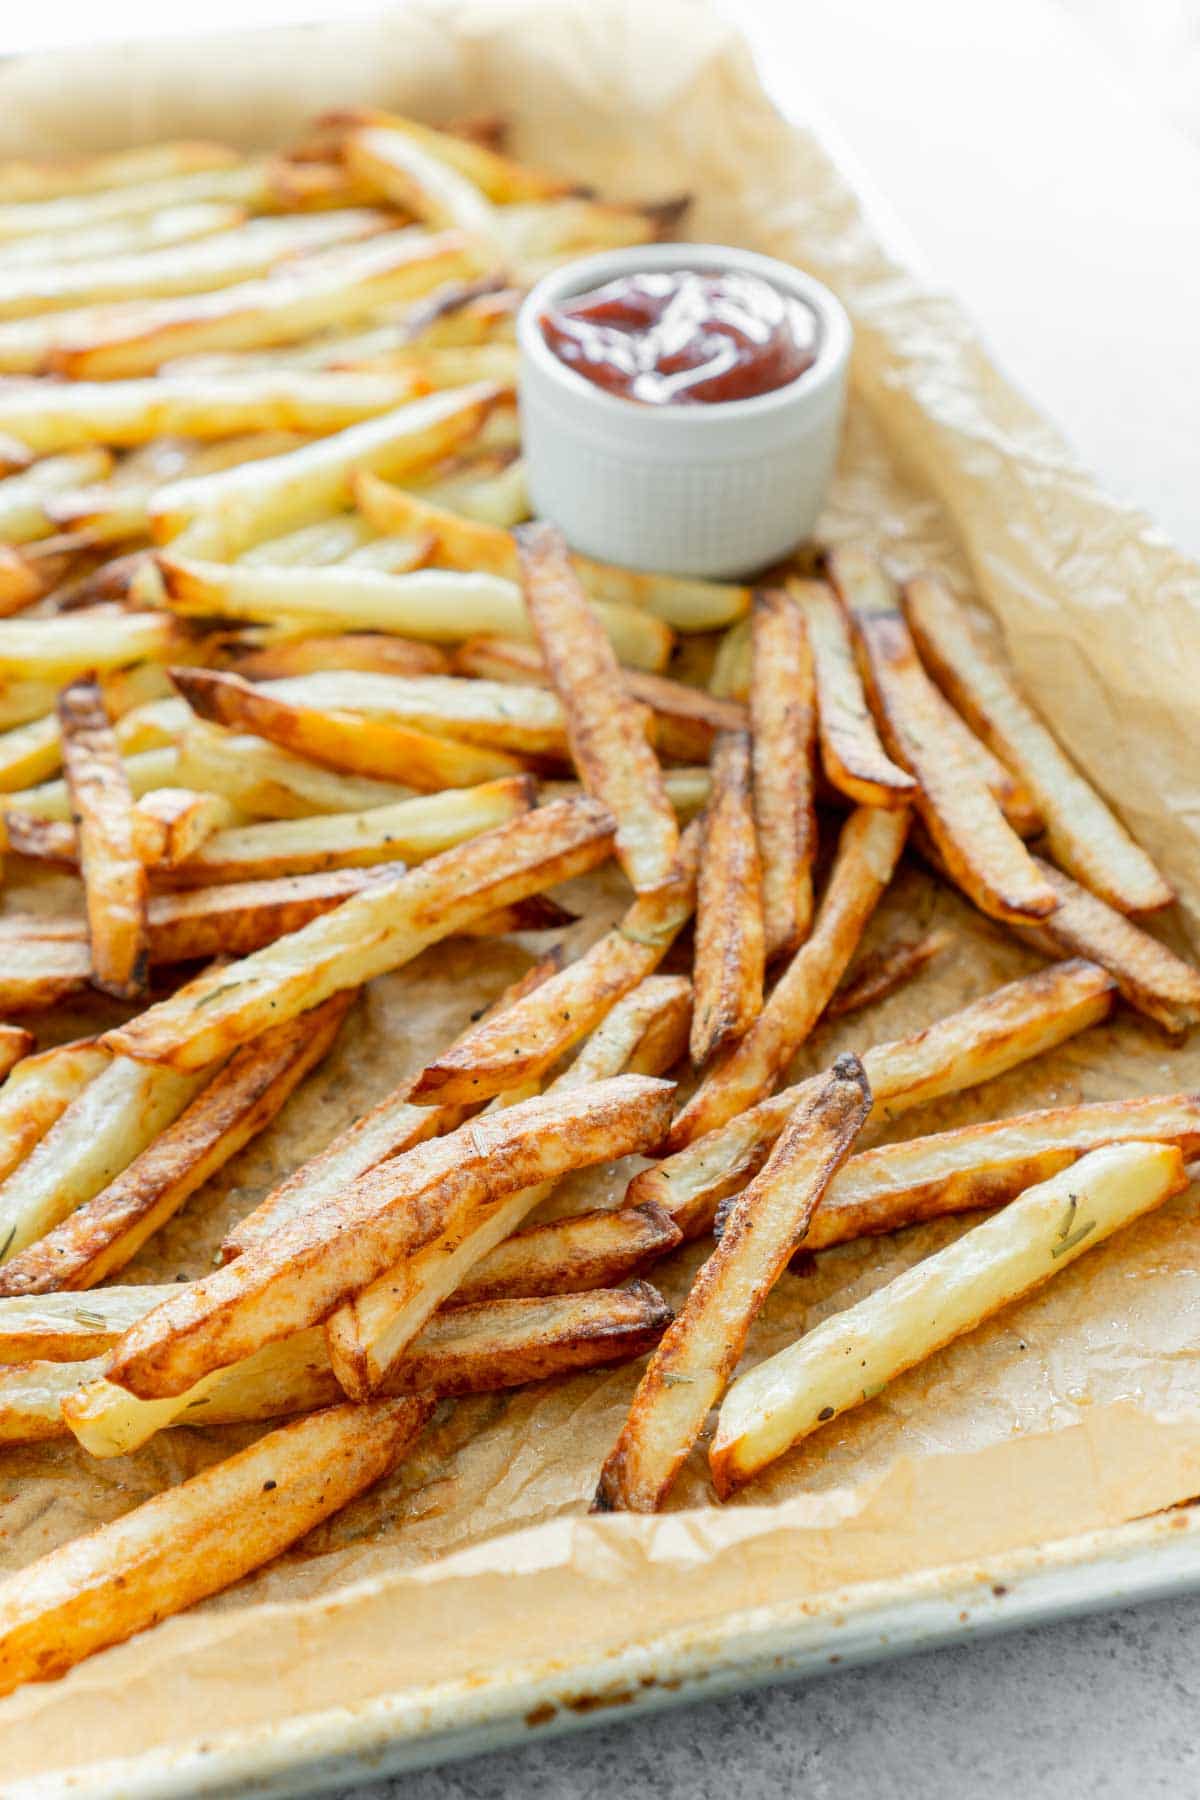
column 1076, row 1412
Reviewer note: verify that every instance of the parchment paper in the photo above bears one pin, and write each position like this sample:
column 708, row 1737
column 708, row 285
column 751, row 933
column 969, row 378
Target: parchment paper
column 1077, row 1410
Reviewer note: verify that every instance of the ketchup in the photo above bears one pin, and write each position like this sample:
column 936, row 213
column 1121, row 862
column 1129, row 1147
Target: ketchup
column 682, row 337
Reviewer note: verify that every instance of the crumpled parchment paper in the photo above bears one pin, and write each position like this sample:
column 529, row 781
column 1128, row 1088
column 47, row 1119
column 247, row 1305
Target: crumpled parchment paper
column 1077, row 1410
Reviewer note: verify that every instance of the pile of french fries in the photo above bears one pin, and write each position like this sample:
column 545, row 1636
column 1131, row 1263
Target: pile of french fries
column 292, row 690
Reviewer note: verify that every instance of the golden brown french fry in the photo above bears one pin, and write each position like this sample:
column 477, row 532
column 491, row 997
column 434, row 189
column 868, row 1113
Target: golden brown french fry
column 728, row 971
column 60, row 416
column 783, row 714
column 1004, row 1029
column 375, row 930
column 39, row 1090
column 462, row 543
column 406, row 175
column 95, row 638
column 171, row 823
column 526, row 719
column 606, row 729
column 269, row 783
column 686, row 719
column 103, row 1234
column 1084, row 835
column 20, row 581
column 44, row 972
column 22, row 181
column 394, row 1125
column 326, row 288
column 691, row 1368
column 1151, row 977
column 853, row 1354
column 412, row 830
column 304, row 1271
column 852, row 756
column 363, row 650
column 987, row 1165
column 979, row 848
column 195, row 1539
column 646, row 1033
column 519, row 1045
column 880, row 974
column 475, row 1349
column 426, row 603
column 15, row 1045
column 476, row 158
column 206, row 265
column 868, row 851
column 233, row 509
column 23, row 497
column 340, row 739
column 114, row 881
column 568, row 1256
column 62, row 1328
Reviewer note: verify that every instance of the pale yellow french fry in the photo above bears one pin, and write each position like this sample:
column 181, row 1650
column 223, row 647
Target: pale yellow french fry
column 195, row 1539
column 267, row 782
column 317, row 545
column 379, row 929
column 23, row 516
column 431, row 190
column 226, row 513
column 71, row 1328
column 528, row 720
column 124, row 237
column 23, row 181
column 144, row 771
column 853, row 1355
column 102, row 638
column 502, row 180
column 239, row 184
column 31, row 752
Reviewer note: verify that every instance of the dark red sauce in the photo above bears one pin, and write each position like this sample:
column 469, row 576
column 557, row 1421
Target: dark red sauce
column 683, row 337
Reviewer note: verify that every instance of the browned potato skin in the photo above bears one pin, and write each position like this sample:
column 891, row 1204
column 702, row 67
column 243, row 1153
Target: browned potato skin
column 15, row 1043
column 868, row 851
column 852, row 756
column 687, row 720
column 114, row 880
column 342, row 740
column 982, row 853
column 571, row 1255
column 1150, row 977
column 240, row 1101
column 477, row 1348
column 783, row 717
column 365, row 650
column 606, row 728
column 194, row 1540
column 412, row 1125
column 302, row 1272
column 891, row 967
column 729, row 960
column 692, row 1367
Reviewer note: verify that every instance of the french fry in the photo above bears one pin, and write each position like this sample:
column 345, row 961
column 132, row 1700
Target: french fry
column 112, row 1119
column 232, row 510
column 48, row 971
column 571, row 1255
column 1084, row 835
column 379, row 929
column 237, row 184
column 396, row 1124
column 339, row 739
column 881, row 973
column 21, row 583
column 15, row 1045
column 95, row 638
column 144, row 771
column 302, row 1272
column 979, row 848
column 33, row 751
column 103, row 1234
column 426, row 603
column 520, row 1044
column 1014, row 1024
column 208, row 264
column 645, row 1033
column 855, row 1353
column 497, row 715
column 23, row 497
column 410, row 831
column 195, row 1539
column 728, row 972
column 852, row 756
column 1151, row 977
column 38, row 1091
column 171, row 823
column 686, row 719
column 783, row 714
column 325, row 541
column 478, row 159
column 987, row 1165
column 606, row 729
column 407, row 176
column 127, row 236
column 687, row 604
column 292, row 301
column 33, row 181
column 368, row 652
column 269, row 783
column 114, row 881
column 61, row 417
column 62, row 1328
column 474, row 1349
column 691, row 1368
column 868, row 851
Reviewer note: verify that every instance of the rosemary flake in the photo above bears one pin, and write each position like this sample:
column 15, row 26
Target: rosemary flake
column 1076, row 1237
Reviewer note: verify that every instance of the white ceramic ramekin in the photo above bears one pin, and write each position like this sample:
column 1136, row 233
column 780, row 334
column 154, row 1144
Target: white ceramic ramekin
column 698, row 489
